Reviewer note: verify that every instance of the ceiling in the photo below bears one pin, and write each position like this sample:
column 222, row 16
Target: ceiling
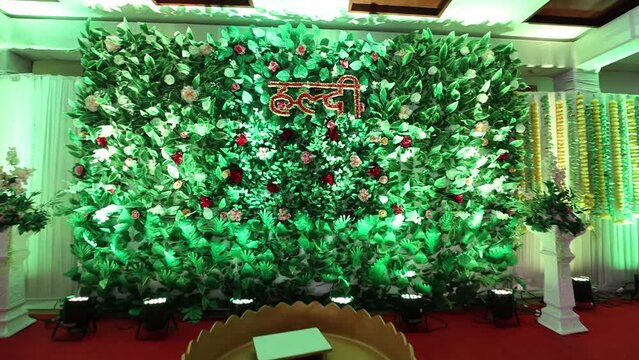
column 503, row 18
column 630, row 63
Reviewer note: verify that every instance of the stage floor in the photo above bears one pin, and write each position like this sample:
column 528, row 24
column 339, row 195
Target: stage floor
column 613, row 335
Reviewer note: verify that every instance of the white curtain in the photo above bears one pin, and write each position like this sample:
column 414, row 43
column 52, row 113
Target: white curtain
column 33, row 120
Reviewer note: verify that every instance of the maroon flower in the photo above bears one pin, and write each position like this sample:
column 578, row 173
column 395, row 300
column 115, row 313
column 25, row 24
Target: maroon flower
column 205, row 202
column 239, row 49
column 350, row 213
column 344, row 63
column 235, row 87
column 333, row 134
column 301, row 50
column 458, row 198
column 503, row 157
column 328, row 179
column 374, row 170
column 236, row 176
column 135, row 214
column 405, row 141
column 330, row 124
column 241, row 139
column 287, row 134
column 177, row 157
column 273, row 66
column 397, row 209
column 374, row 56
column 273, row 188
column 102, row 141
column 78, row 170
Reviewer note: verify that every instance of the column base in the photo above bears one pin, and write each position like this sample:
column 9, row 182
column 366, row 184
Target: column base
column 562, row 322
column 14, row 320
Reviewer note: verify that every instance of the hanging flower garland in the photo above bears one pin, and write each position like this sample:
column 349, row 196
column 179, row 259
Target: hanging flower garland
column 634, row 147
column 549, row 161
column 560, row 134
column 625, row 155
column 584, row 168
column 536, row 144
column 617, row 167
column 573, row 146
column 599, row 146
column 528, row 154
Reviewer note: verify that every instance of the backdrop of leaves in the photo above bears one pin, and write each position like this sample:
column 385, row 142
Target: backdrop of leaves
column 188, row 185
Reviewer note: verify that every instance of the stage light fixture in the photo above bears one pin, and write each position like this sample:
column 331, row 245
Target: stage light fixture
column 155, row 316
column 342, row 300
column 240, row 305
column 411, row 308
column 582, row 289
column 502, row 306
column 78, row 312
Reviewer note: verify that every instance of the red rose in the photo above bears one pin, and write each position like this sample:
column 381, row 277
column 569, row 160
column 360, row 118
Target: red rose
column 503, row 156
column 328, row 179
column 287, row 134
column 405, row 141
column 177, row 157
column 374, row 170
column 374, row 56
column 458, row 198
column 102, row 141
column 241, row 139
column 236, row 176
column 273, row 188
column 301, row 50
column 205, row 202
column 239, row 49
column 235, row 87
column 273, row 66
column 330, row 124
column 397, row 209
column 332, row 134
column 78, row 170
column 344, row 63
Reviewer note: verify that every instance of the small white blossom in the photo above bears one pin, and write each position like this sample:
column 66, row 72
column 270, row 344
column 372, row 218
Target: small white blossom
column 482, row 98
column 520, row 128
column 432, row 70
column 118, row 59
column 169, row 79
column 106, row 131
column 471, row 74
column 464, row 50
column 415, row 98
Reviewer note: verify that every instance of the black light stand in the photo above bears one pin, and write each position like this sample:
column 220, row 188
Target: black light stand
column 78, row 312
column 155, row 317
column 502, row 307
column 582, row 288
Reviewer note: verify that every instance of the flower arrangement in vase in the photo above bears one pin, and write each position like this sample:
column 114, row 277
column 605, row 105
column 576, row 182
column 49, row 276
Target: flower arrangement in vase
column 17, row 206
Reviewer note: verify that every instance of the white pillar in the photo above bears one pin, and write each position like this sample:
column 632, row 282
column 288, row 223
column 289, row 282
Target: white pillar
column 13, row 314
column 558, row 314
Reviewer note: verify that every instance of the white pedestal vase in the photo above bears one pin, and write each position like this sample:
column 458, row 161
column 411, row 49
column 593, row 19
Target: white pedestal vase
column 558, row 314
column 13, row 314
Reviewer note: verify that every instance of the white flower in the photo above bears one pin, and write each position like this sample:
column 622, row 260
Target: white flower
column 106, row 131
column 468, row 152
column 355, row 161
column 499, row 137
column 233, row 64
column 263, row 153
column 128, row 150
column 500, row 215
column 123, row 100
column 482, row 98
column 405, row 112
column 157, row 210
column 520, row 128
column 151, row 39
column 169, row 79
column 323, row 55
column 205, row 49
column 415, row 98
column 151, row 165
column 118, row 59
column 514, row 84
column 91, row 103
column 199, row 177
column 432, row 70
column 488, row 55
column 364, row 195
column 464, row 50
column 103, row 154
column 383, row 199
column 363, row 88
column 514, row 56
column 103, row 214
column 189, row 94
column 173, row 171
column 110, row 44
column 471, row 74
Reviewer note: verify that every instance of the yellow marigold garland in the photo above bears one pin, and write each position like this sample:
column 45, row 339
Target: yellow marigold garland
column 601, row 180
column 617, row 166
column 584, row 168
column 536, row 144
column 561, row 135
column 634, row 148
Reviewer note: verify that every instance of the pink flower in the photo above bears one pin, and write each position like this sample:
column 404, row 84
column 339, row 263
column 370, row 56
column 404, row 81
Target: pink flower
column 429, row 214
column 206, row 49
column 224, row 216
column 301, row 50
column 406, row 141
column 383, row 179
column 363, row 195
column 189, row 94
column 111, row 46
column 235, row 215
column 374, row 56
column 280, row 104
column 184, row 135
column 135, row 214
column 355, row 161
column 344, row 63
column 91, row 103
column 235, row 87
column 273, row 66
column 375, row 139
column 307, row 157
column 330, row 124
column 78, row 170
column 283, row 215
column 239, row 49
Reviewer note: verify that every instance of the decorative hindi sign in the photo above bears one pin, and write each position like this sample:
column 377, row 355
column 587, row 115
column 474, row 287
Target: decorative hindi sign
column 281, row 103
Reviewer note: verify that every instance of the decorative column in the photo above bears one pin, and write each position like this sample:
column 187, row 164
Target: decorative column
column 558, row 314
column 13, row 314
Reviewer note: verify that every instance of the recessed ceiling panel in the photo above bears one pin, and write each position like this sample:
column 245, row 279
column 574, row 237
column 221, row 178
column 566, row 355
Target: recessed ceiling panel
column 582, row 12
column 400, row 7
column 219, row 3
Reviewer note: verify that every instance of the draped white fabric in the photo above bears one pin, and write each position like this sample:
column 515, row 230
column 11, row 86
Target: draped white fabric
column 33, row 119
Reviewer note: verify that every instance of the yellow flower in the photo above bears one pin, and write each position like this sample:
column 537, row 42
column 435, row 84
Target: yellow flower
column 226, row 173
column 177, row 185
column 382, row 213
column 384, row 140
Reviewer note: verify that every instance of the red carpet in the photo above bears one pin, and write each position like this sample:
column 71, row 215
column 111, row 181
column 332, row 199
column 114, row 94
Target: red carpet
column 614, row 333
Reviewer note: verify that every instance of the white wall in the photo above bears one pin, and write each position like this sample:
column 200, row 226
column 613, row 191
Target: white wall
column 619, row 82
